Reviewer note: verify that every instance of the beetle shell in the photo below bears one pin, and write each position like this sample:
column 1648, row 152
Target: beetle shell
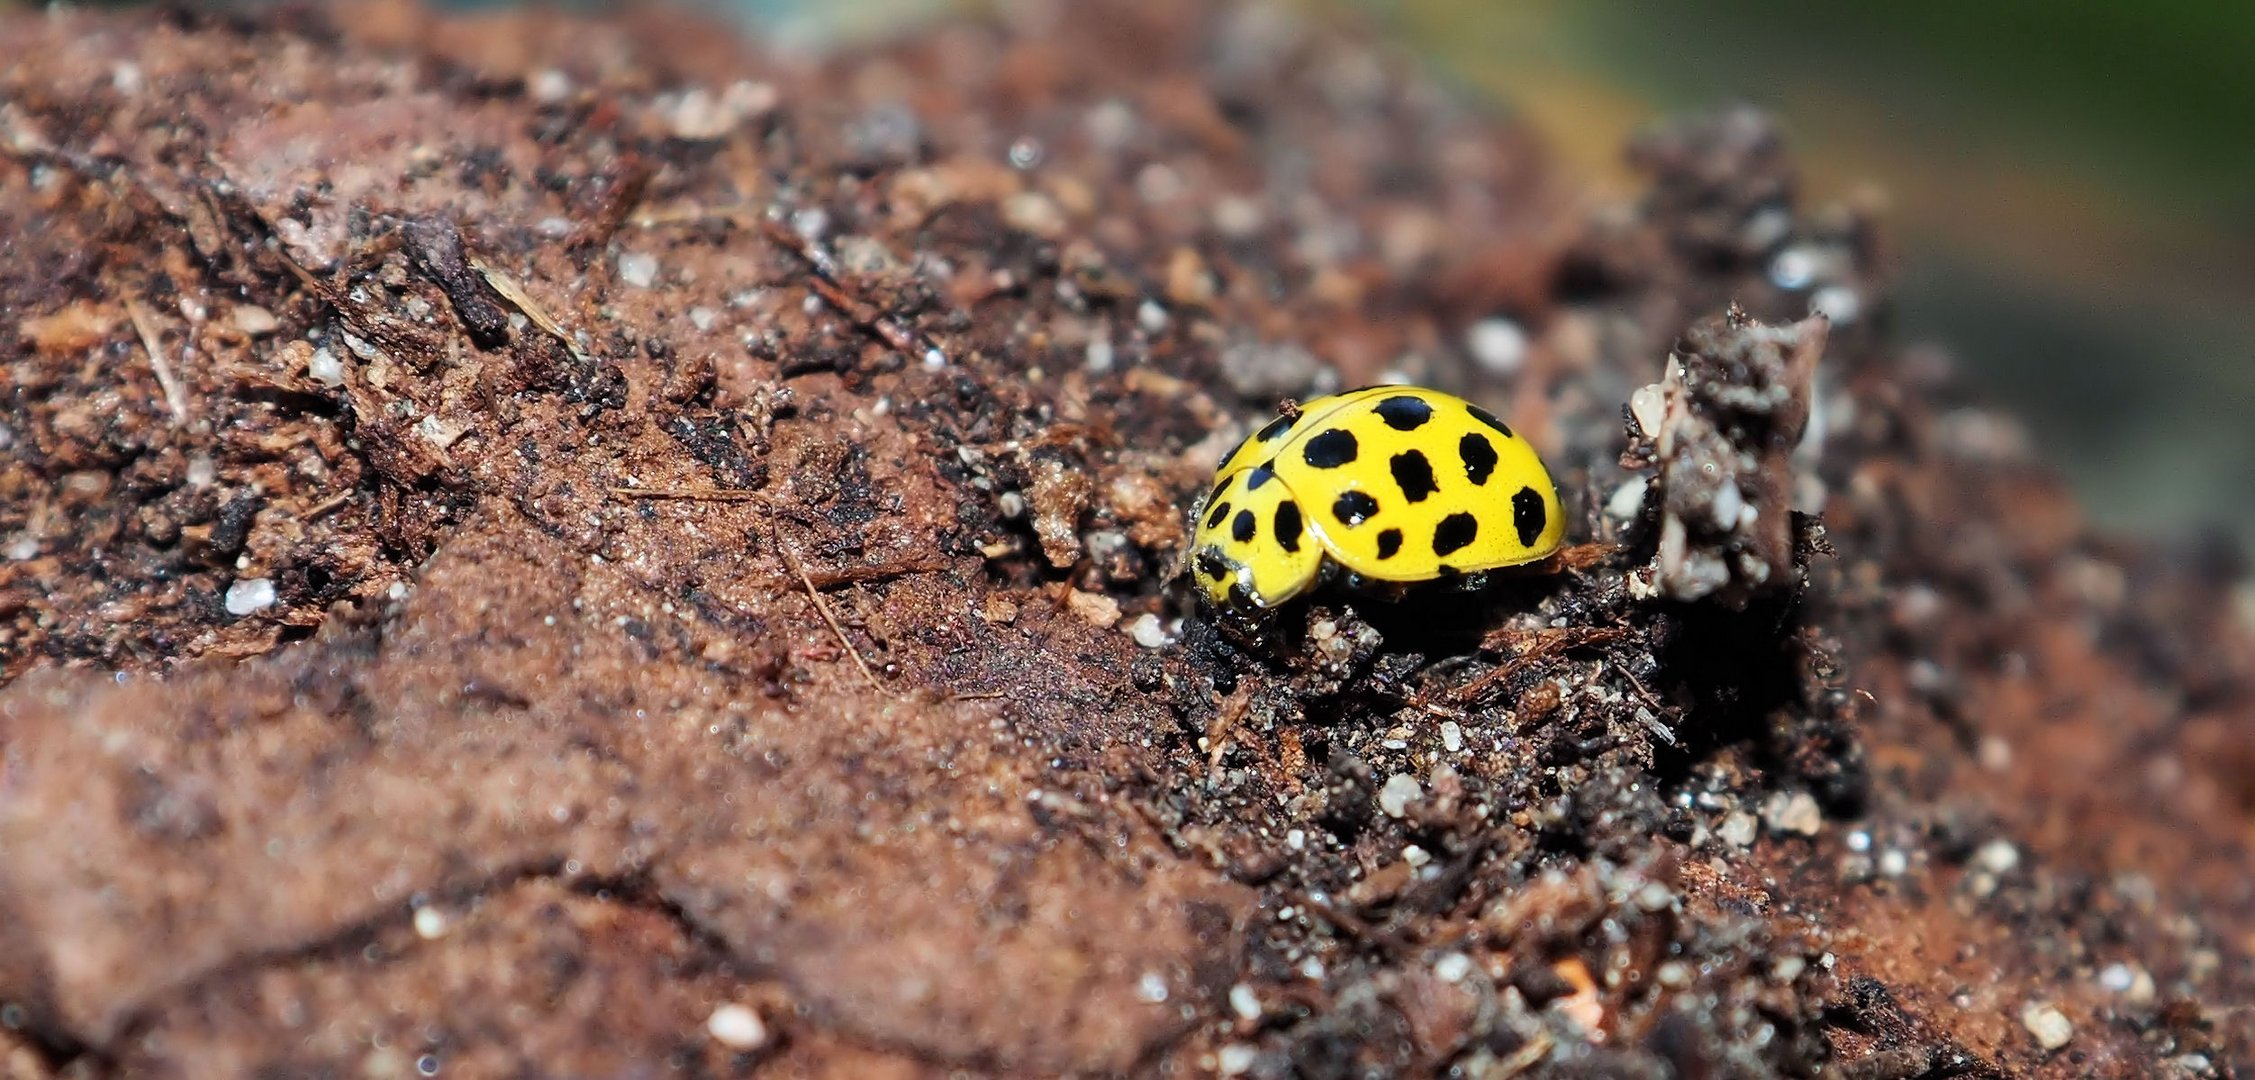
column 1393, row 484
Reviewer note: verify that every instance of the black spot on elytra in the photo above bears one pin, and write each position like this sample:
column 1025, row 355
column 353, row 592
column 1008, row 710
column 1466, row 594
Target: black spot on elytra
column 1389, row 542
column 1479, row 456
column 1454, row 532
column 1211, row 564
column 1261, row 474
column 1241, row 527
column 1488, row 418
column 1220, row 511
column 1528, row 516
column 1288, row 525
column 1404, row 413
column 1354, row 508
column 1331, row 449
column 1215, row 495
column 1274, row 429
column 1414, row 475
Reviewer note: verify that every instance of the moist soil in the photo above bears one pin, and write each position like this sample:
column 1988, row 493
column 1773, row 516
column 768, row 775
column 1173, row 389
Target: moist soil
column 561, row 546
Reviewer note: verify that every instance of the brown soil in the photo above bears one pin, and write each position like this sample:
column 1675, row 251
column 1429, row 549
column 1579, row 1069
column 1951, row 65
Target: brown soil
column 522, row 532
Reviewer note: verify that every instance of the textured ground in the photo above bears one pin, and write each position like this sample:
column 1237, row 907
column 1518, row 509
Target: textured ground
column 549, row 548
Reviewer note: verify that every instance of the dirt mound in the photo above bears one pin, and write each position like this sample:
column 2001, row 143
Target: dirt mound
column 544, row 546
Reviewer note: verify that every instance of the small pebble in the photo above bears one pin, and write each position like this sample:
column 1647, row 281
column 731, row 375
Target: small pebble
column 1189, row 282
column 811, row 223
column 1034, row 213
column 1244, row 1002
column 550, row 86
column 736, row 1027
column 1649, row 405
column 1152, row 987
column 1401, row 790
column 430, row 923
column 1453, row 967
column 1157, row 184
column 1236, row 1059
column 249, row 595
column 702, row 116
column 1994, row 754
column 438, row 432
column 325, row 368
column 1997, row 857
column 1796, row 267
column 1627, row 501
column 254, row 320
column 1150, row 317
column 1452, row 736
column 2133, row 983
column 1101, row 355
column 1839, row 303
column 1893, row 862
column 1238, row 217
column 1738, row 828
column 1149, row 632
column 1793, row 812
column 638, row 269
column 1498, row 345
column 1110, row 124
column 2050, row 1026
column 1096, row 609
column 1726, row 505
column 998, row 609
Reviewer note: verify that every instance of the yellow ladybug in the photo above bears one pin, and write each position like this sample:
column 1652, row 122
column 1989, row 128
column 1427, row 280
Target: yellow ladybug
column 1392, row 484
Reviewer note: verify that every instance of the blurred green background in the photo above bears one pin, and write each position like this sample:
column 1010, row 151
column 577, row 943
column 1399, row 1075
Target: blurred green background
column 2071, row 184
column 2072, row 189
